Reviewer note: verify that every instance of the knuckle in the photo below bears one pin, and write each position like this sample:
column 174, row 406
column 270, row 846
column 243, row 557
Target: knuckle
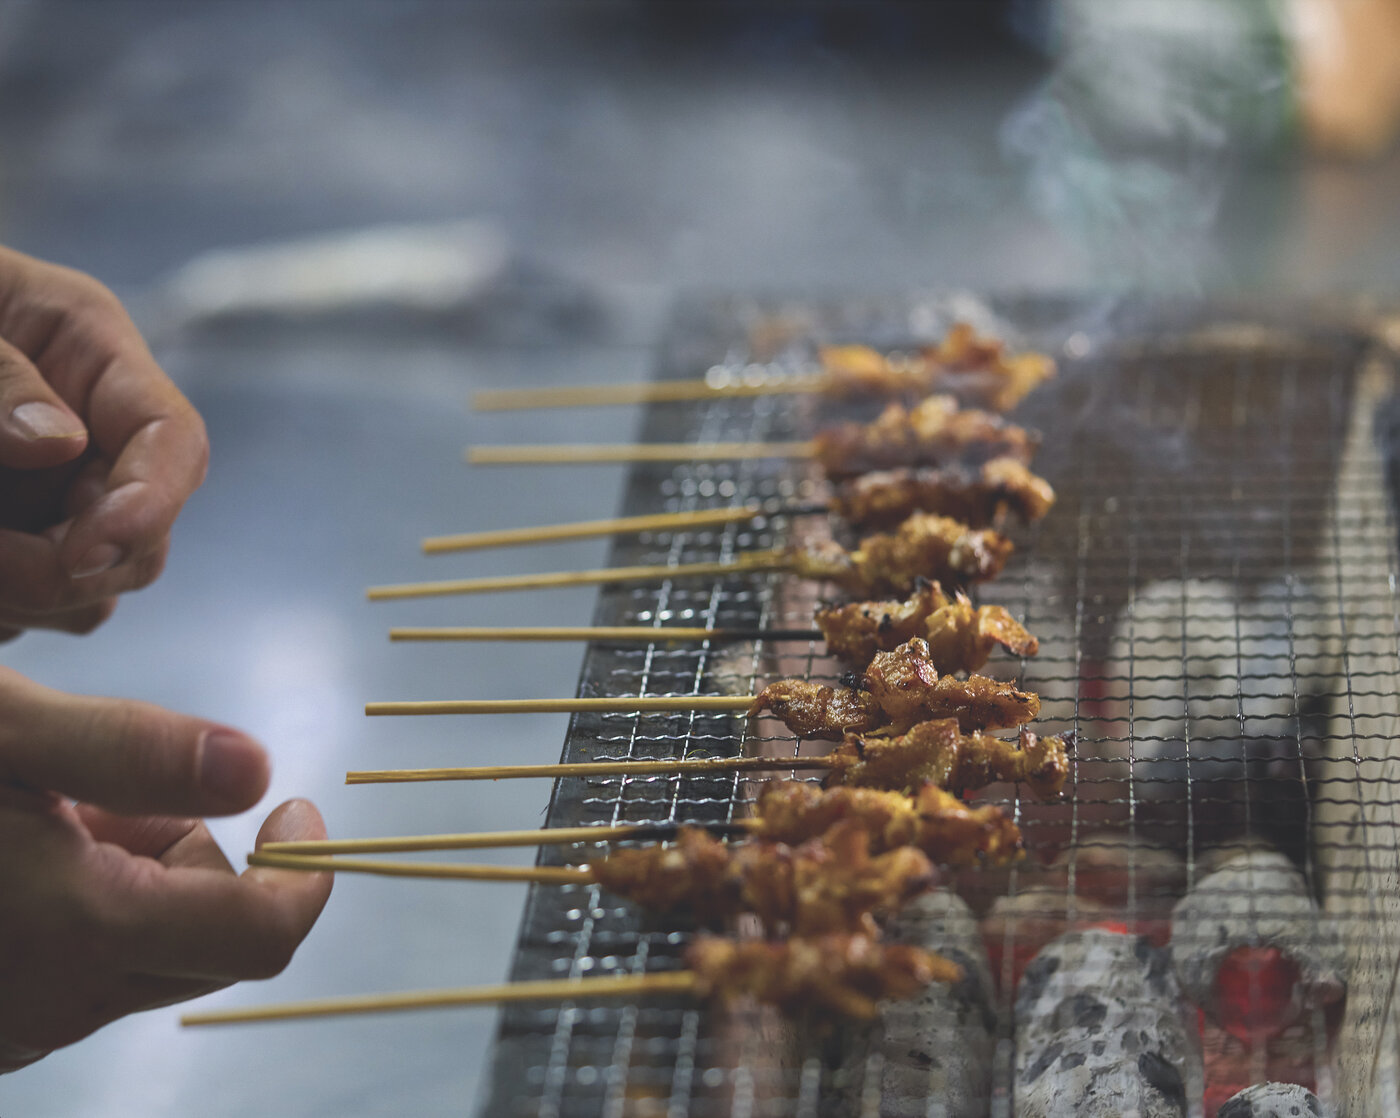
column 149, row 746
column 92, row 295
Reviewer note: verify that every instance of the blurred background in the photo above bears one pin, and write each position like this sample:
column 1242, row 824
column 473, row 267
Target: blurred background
column 336, row 219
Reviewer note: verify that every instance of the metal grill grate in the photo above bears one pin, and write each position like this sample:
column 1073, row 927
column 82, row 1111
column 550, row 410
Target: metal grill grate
column 1219, row 619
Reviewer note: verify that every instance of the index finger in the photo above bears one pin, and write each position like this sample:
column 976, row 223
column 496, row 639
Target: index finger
column 89, row 349
column 160, row 454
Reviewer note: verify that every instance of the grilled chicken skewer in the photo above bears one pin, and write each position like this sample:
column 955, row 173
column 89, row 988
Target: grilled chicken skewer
column 825, row 885
column 961, row 637
column 946, row 829
column 975, row 368
column 898, row 689
column 936, row 752
column 934, row 432
column 849, row 975
column 924, row 546
column 980, row 496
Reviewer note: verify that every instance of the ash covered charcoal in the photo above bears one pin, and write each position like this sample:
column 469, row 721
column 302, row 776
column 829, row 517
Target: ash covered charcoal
column 1274, row 1100
column 1126, row 873
column 1209, row 688
column 1101, row 1033
column 1251, row 947
column 930, row 1055
column 1021, row 923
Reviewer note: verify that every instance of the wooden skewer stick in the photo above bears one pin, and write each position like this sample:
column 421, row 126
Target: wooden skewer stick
column 749, row 561
column 644, row 634
column 658, row 392
column 482, row 840
column 659, row 522
column 320, row 863
column 544, row 875
column 622, row 705
column 590, row 768
column 578, row 453
column 551, row 989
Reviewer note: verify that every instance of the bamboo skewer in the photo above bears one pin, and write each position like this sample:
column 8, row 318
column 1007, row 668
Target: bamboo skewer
column 752, row 561
column 657, row 392
column 482, row 840
column 622, row 705
column 544, row 875
column 582, row 453
column 506, row 537
column 550, row 989
column 644, row 634
column 589, row 768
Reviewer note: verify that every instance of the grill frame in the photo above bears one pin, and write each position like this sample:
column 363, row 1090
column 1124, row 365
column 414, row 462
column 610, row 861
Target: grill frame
column 1120, row 388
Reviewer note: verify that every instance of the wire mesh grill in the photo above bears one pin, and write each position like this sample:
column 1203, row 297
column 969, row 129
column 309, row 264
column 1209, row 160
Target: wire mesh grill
column 1216, row 602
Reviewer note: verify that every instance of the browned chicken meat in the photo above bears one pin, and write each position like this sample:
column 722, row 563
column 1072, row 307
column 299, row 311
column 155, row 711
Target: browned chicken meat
column 937, row 752
column 924, row 546
column 832, row 884
column 849, row 974
column 976, row 495
column 975, row 369
column 935, row 432
column 960, row 637
column 899, row 689
column 818, row 710
column 949, row 831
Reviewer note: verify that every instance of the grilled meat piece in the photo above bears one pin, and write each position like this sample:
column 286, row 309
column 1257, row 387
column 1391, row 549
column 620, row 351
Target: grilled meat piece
column 938, row 752
column 975, row 369
column 942, row 826
column 978, row 369
column 909, row 690
column 934, row 432
column 848, row 974
column 977, row 496
column 899, row 689
column 816, row 710
column 689, row 876
column 829, row 885
column 924, row 547
column 960, row 637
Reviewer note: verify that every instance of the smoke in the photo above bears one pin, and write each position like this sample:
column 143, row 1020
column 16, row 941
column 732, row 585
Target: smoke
column 1131, row 145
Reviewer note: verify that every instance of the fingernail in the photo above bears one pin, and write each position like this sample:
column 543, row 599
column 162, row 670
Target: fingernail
column 231, row 768
column 297, row 818
column 38, row 420
column 101, row 558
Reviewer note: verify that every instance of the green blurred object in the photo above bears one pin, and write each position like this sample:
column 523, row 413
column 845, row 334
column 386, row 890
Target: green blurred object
column 1152, row 108
column 1179, row 73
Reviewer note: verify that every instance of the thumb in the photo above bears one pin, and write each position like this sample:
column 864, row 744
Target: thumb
column 125, row 756
column 37, row 428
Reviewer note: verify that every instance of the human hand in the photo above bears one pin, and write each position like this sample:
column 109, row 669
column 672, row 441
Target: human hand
column 98, row 451
column 122, row 901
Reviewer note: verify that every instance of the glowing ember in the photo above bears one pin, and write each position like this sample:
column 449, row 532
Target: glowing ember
column 1255, row 987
